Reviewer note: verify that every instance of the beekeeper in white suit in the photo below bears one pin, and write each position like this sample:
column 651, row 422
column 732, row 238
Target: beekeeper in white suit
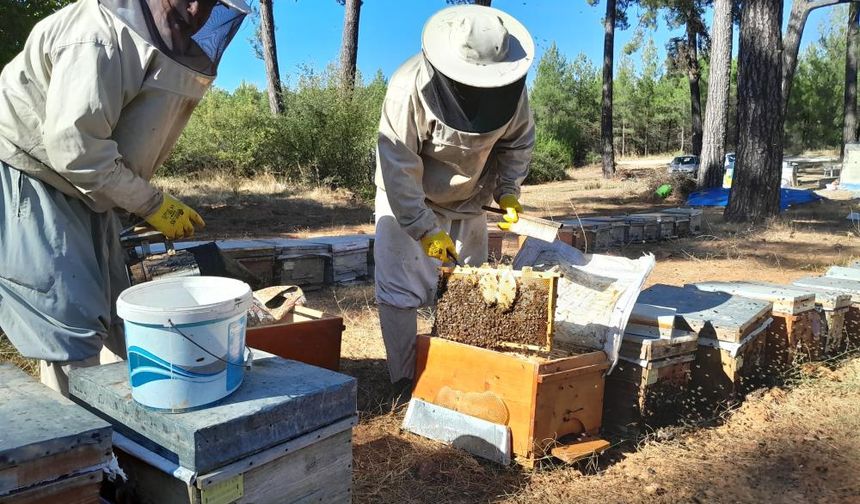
column 456, row 133
column 88, row 110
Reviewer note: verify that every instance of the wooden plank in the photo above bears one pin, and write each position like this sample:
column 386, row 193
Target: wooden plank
column 574, row 452
column 638, row 347
column 719, row 376
column 443, row 364
column 653, row 372
column 35, row 446
column 320, row 472
column 278, row 401
column 785, row 299
column 711, row 314
column 79, row 489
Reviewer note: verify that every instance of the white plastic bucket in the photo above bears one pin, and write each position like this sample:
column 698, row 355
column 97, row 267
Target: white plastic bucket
column 185, row 339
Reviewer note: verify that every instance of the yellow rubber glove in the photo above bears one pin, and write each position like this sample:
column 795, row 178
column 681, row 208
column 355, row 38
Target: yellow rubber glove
column 175, row 219
column 439, row 246
column 509, row 203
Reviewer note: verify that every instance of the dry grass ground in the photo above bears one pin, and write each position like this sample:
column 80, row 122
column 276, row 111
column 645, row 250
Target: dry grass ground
column 800, row 443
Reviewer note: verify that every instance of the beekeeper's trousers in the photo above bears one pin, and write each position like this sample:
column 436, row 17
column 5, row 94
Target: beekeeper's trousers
column 406, row 278
column 61, row 270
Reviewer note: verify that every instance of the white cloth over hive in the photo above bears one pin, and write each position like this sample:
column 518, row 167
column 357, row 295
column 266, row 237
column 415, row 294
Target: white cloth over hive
column 596, row 295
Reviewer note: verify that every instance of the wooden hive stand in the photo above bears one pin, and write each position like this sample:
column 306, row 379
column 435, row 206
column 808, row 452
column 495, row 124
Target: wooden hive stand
column 51, row 450
column 730, row 360
column 650, row 383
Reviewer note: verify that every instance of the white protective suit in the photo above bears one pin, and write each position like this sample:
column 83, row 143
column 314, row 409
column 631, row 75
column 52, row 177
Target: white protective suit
column 430, row 176
column 88, row 110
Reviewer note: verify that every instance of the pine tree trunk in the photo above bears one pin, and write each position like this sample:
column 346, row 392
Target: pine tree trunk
column 349, row 44
column 800, row 10
column 270, row 56
column 485, row 3
column 719, row 87
column 852, row 52
column 606, row 111
column 693, row 75
column 755, row 185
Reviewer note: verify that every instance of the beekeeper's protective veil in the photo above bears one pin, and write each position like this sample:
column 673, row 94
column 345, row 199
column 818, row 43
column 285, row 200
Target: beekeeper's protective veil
column 193, row 32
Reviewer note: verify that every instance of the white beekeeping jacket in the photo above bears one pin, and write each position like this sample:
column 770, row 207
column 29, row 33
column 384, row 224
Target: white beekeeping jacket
column 92, row 105
column 427, row 166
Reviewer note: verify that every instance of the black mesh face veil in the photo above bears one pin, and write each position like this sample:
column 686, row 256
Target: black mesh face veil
column 200, row 51
column 471, row 109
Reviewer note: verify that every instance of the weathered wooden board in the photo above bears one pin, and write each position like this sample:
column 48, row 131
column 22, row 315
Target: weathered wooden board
column 78, row 489
column 722, row 372
column 279, row 400
column 786, row 300
column 44, row 436
column 644, row 348
column 319, row 472
column 618, row 229
column 714, row 315
column 650, row 226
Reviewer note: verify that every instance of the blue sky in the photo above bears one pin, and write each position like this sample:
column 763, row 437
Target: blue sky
column 309, row 33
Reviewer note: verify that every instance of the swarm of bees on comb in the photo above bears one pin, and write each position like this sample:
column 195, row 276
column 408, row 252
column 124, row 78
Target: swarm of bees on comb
column 491, row 307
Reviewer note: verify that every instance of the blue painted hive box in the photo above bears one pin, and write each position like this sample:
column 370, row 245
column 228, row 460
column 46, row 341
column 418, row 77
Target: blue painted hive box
column 283, row 436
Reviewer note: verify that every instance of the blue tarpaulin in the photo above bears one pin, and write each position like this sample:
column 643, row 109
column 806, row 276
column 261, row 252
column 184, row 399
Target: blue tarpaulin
column 719, row 197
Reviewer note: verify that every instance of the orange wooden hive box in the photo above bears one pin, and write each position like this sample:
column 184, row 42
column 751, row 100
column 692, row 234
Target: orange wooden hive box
column 306, row 335
column 551, row 401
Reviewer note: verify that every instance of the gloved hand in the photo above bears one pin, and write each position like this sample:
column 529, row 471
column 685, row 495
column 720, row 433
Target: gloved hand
column 175, row 219
column 509, row 203
column 439, row 245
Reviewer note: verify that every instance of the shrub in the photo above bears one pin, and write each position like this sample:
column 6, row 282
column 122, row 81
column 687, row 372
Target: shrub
column 550, row 159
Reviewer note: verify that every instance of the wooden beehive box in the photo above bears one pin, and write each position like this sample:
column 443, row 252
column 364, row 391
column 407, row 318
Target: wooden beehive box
column 650, row 226
column 730, row 358
column 650, row 384
column 833, row 308
column 694, row 214
column 589, row 236
column 852, row 317
column 665, row 224
column 284, row 436
column 551, row 405
column 303, row 263
column 257, row 256
column 793, row 335
column 51, row 450
column 306, row 335
column 550, row 399
column 619, row 229
column 348, row 257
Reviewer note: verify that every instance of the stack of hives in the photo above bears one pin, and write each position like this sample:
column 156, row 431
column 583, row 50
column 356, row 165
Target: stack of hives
column 349, row 256
column 649, row 386
column 794, row 335
column 846, row 281
column 731, row 358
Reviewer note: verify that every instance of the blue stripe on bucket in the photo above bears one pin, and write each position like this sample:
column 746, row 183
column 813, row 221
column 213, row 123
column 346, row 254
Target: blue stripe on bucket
column 194, row 324
column 145, row 367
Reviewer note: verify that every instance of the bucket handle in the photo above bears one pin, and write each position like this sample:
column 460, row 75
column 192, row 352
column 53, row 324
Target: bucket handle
column 249, row 358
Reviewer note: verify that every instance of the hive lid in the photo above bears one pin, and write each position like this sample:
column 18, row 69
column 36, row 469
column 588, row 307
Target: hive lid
column 341, row 244
column 715, row 315
column 279, row 400
column 785, row 299
column 844, row 285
